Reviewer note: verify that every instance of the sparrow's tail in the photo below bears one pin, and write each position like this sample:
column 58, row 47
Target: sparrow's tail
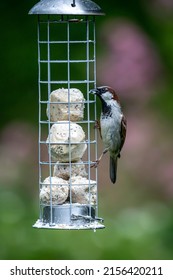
column 113, row 169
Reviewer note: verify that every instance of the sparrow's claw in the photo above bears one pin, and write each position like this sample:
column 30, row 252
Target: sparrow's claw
column 97, row 124
column 95, row 164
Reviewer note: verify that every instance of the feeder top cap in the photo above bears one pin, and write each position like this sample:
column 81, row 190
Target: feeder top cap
column 66, row 7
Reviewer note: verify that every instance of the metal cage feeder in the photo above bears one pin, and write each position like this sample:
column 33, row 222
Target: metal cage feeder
column 68, row 195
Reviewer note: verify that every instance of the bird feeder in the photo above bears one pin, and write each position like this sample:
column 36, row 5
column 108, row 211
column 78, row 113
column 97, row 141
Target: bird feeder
column 68, row 195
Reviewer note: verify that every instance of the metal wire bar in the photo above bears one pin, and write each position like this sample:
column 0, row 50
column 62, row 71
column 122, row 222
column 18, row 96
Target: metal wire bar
column 65, row 42
column 72, row 102
column 68, row 77
column 64, row 19
column 67, row 143
column 64, row 122
column 95, row 107
column 49, row 126
column 66, row 61
column 88, row 109
column 65, row 163
column 39, row 109
column 66, row 82
column 64, row 184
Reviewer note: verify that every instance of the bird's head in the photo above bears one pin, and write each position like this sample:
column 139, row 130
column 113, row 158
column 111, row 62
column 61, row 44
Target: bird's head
column 105, row 93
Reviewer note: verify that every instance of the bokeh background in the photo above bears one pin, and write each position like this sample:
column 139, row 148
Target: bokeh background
column 135, row 56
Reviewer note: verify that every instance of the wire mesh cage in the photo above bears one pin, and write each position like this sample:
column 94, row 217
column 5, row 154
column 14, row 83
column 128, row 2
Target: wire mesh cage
column 68, row 195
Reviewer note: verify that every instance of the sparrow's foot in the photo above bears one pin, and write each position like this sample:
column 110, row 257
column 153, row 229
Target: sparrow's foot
column 97, row 124
column 95, row 164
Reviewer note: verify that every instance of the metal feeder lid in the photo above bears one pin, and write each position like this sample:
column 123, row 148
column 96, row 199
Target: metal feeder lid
column 66, row 7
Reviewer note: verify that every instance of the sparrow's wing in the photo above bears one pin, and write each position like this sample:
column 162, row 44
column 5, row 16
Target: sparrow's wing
column 123, row 131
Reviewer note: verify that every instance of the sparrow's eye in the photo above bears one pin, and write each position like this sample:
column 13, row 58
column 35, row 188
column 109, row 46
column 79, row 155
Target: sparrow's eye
column 103, row 90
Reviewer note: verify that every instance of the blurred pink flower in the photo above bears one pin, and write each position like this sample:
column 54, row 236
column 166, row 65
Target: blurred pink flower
column 167, row 4
column 17, row 150
column 131, row 64
column 148, row 152
column 17, row 139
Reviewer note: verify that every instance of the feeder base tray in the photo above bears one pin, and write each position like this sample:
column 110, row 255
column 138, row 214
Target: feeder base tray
column 69, row 216
column 92, row 225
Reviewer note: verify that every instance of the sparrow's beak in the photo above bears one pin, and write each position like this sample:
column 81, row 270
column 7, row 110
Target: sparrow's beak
column 94, row 91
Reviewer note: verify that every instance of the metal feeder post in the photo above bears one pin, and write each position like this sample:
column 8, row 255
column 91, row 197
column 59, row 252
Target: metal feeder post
column 68, row 195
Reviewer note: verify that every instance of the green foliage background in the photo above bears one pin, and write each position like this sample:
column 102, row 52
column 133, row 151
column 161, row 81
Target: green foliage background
column 139, row 221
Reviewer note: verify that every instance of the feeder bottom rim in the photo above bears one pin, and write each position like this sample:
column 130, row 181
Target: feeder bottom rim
column 92, row 225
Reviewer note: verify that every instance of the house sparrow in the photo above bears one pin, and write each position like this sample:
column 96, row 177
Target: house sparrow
column 112, row 126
